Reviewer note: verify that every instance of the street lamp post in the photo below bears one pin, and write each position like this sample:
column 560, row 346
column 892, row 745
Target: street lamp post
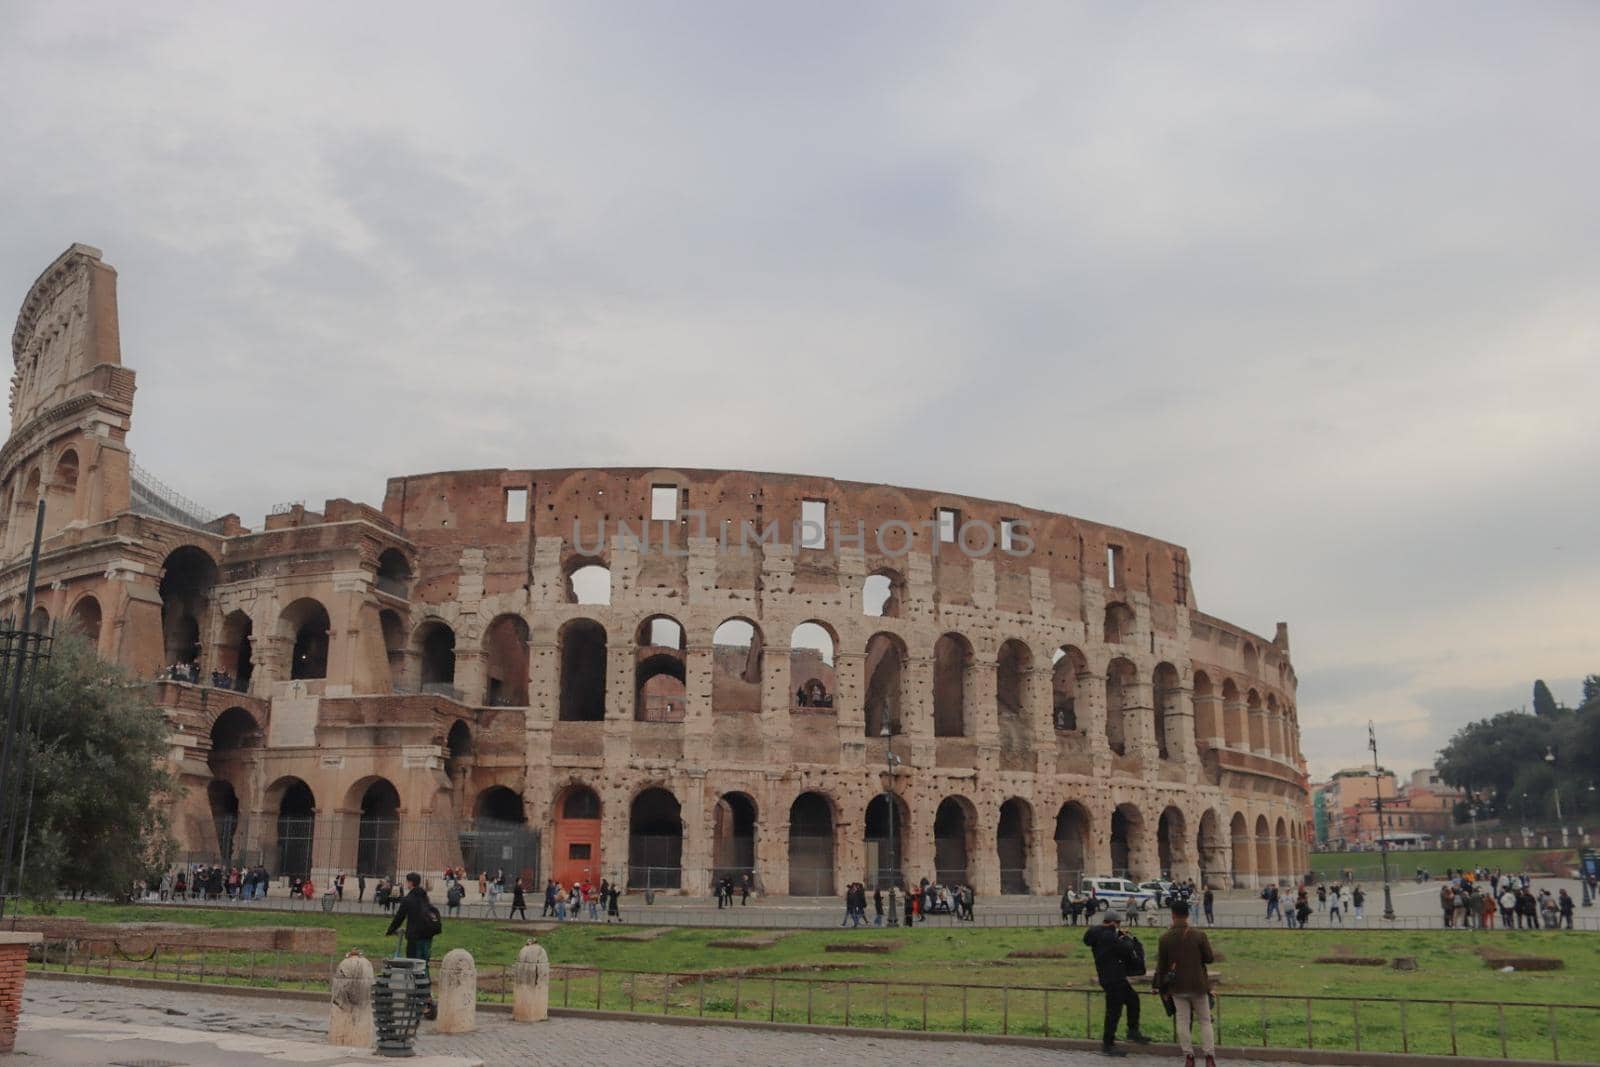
column 1383, row 838
column 888, row 800
column 1550, row 758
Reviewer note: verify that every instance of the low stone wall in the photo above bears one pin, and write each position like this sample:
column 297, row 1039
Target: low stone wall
column 143, row 937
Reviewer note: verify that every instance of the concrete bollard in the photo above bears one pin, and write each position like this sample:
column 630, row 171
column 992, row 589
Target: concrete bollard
column 458, row 993
column 350, row 1019
column 532, row 996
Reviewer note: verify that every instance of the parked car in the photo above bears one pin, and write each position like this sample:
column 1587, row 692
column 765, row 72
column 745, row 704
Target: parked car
column 1120, row 893
column 1161, row 888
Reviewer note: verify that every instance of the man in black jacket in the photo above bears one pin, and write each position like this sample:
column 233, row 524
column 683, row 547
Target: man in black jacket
column 414, row 913
column 1115, row 958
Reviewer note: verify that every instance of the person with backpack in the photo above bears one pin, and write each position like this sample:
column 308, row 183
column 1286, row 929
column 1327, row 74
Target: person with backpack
column 1117, row 957
column 452, row 898
column 1181, row 979
column 422, row 924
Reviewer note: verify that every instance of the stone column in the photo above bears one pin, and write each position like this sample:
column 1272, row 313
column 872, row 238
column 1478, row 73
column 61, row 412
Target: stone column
column 981, row 712
column 1138, row 724
column 918, row 838
column 696, row 815
column 1042, row 855
column 531, row 998
column 1091, row 708
column 1236, row 729
column 848, row 707
column 469, row 675
column 458, row 993
column 1208, row 720
column 1259, row 729
column 350, row 1017
column 916, row 713
column 983, row 862
column 1039, row 684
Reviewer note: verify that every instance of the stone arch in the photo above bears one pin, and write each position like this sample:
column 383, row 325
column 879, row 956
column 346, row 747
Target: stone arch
column 236, row 656
column 1265, row 861
column 223, row 801
column 499, row 841
column 62, row 494
column 1207, row 714
column 884, row 668
column 1255, row 720
column 394, row 573
column 583, row 671
column 499, row 803
column 435, row 644
column 1120, row 623
column 955, row 838
column 377, row 804
column 233, row 733
column 1127, row 841
column 659, row 673
column 883, row 594
column 1241, row 855
column 187, row 577
column 1013, row 841
column 85, row 619
column 735, row 822
column 1285, row 850
column 1072, row 837
column 39, row 621
column 505, row 662
column 1013, row 673
column 655, row 840
column 305, row 625
column 1167, row 688
column 1235, row 733
column 1172, row 843
column 811, row 845
column 886, row 827
column 1120, row 681
column 1211, row 849
column 812, row 647
column 588, row 581
column 1069, row 674
column 736, row 648
column 577, row 834
column 296, row 824
column 952, row 663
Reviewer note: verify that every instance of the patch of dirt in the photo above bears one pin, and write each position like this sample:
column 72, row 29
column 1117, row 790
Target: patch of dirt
column 1039, row 954
column 874, row 947
column 1495, row 958
column 635, row 936
column 1354, row 961
column 752, row 942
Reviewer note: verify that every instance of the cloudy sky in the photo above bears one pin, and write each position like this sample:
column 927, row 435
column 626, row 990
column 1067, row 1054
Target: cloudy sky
column 1313, row 289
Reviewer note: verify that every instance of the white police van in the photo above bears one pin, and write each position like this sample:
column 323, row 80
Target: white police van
column 1119, row 893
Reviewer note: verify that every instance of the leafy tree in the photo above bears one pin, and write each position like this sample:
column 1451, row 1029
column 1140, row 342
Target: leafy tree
column 1544, row 705
column 1591, row 689
column 101, row 787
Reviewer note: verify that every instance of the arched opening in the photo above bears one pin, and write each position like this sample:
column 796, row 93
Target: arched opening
column 1265, row 867
column 1119, row 696
column 39, row 621
column 394, row 645
column 1119, row 623
column 882, row 594
column 659, row 693
column 588, row 582
column 1072, row 844
column 499, row 839
column 85, row 619
column 306, row 623
column 1127, row 836
column 297, row 810
column 62, row 496
column 954, row 829
column 1167, row 692
column 378, row 832
column 187, row 577
column 888, row 827
column 436, row 653
column 1012, row 670
column 224, row 804
column 1012, row 835
column 733, row 837
column 952, row 658
column 736, row 668
column 583, row 671
column 1274, row 726
column 577, row 836
column 457, row 750
column 1234, row 732
column 1207, row 721
column 233, row 733
column 1256, row 718
column 884, row 668
column 235, row 658
column 811, row 649
column 1211, row 849
column 1285, row 846
column 394, row 573
column 1068, row 674
column 1241, row 857
column 655, row 841
column 811, row 846
column 1172, row 843
column 505, row 648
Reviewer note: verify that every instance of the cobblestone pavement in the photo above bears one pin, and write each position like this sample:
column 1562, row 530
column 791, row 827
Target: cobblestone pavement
column 498, row 1041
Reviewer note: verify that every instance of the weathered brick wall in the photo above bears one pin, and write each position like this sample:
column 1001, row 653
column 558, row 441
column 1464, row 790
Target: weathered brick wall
column 13, row 969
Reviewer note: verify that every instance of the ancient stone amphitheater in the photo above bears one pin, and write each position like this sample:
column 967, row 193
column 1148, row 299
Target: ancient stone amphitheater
column 665, row 676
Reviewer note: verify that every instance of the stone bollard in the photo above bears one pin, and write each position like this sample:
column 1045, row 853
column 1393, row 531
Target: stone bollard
column 350, row 1020
column 532, row 998
column 458, row 993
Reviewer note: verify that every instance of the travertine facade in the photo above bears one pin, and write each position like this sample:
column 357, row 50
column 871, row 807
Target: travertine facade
column 710, row 706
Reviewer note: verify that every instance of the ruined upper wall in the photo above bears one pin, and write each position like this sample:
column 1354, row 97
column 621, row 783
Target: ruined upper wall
column 67, row 326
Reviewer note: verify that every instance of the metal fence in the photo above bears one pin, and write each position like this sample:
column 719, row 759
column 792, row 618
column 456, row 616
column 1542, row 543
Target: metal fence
column 1482, row 1029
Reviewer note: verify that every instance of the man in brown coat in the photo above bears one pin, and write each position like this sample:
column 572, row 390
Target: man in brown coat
column 1183, row 954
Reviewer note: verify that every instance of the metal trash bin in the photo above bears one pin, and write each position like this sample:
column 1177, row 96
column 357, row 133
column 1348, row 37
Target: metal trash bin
column 399, row 997
column 328, row 900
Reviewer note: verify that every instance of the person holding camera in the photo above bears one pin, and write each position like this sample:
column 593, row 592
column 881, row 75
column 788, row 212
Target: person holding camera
column 1117, row 957
column 1182, row 980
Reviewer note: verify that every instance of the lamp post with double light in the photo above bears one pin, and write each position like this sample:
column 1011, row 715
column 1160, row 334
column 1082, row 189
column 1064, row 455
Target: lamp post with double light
column 1383, row 838
column 1550, row 758
column 889, row 759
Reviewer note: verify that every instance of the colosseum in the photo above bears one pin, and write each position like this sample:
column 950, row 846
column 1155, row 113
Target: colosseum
column 580, row 673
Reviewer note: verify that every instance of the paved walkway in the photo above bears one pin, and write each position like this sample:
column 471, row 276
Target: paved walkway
column 79, row 1022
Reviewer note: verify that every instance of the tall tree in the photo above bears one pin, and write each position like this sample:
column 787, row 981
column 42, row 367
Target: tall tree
column 1591, row 689
column 1544, row 705
column 101, row 787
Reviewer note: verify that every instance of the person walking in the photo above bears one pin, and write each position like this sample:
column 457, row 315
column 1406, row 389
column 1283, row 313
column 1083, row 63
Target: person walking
column 1564, row 905
column 1322, row 898
column 1208, row 901
column 1116, row 958
column 1335, row 899
column 1270, row 895
column 1181, row 960
column 877, row 906
column 910, row 908
column 422, row 924
column 519, row 901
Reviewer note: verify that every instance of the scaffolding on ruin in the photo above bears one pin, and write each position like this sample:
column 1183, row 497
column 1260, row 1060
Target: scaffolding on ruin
column 155, row 498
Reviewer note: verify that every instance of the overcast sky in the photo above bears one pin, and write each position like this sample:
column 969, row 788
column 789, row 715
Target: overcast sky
column 1313, row 290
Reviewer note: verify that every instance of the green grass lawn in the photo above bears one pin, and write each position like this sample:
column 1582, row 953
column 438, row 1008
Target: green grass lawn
column 924, row 975
column 1436, row 862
